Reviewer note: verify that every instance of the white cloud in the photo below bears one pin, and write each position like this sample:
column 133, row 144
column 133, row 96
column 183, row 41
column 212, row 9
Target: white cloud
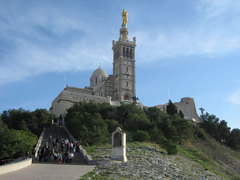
column 235, row 97
column 35, row 53
column 37, row 33
column 214, row 8
column 213, row 32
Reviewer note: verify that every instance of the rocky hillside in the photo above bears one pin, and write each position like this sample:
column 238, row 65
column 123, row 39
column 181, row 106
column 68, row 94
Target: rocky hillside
column 195, row 160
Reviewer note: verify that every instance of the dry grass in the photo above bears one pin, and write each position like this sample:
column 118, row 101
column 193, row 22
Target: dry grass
column 214, row 157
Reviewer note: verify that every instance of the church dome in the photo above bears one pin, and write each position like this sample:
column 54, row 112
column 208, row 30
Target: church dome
column 97, row 76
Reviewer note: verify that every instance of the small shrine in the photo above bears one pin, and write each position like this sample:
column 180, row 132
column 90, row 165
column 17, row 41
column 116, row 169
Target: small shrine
column 119, row 145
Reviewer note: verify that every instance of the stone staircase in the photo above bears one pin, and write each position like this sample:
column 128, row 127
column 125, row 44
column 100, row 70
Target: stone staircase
column 60, row 133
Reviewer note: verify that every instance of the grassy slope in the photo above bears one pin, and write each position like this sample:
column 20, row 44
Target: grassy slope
column 213, row 156
column 209, row 154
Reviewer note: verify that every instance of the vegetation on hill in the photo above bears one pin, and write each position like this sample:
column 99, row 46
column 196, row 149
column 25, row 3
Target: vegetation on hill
column 219, row 130
column 26, row 120
column 19, row 130
column 205, row 144
column 213, row 156
column 93, row 123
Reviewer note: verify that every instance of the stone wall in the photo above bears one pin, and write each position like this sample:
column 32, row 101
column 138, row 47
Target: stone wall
column 87, row 157
column 70, row 95
column 188, row 108
column 38, row 145
column 14, row 166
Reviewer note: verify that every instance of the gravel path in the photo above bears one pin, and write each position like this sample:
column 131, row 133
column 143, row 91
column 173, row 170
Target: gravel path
column 48, row 171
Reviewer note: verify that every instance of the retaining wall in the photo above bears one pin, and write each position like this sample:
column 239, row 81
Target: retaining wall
column 38, row 145
column 87, row 157
column 15, row 166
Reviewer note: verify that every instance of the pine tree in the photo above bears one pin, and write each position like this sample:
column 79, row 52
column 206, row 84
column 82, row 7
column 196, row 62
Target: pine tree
column 171, row 108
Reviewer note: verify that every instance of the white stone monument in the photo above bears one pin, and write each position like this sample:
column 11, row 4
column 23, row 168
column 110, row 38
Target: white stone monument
column 119, row 145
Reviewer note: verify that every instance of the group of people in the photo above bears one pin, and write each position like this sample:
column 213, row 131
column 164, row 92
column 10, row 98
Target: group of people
column 62, row 151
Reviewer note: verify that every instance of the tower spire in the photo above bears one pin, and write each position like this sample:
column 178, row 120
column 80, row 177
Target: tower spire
column 124, row 65
column 124, row 29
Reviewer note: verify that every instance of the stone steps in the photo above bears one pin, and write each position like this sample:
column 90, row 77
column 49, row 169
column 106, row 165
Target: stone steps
column 60, row 133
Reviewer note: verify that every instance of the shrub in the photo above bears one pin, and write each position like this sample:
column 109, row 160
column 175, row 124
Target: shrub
column 141, row 136
column 87, row 128
column 200, row 133
column 112, row 125
column 169, row 145
column 171, row 148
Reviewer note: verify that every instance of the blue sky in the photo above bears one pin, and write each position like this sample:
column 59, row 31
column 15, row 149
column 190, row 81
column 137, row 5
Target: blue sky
column 190, row 48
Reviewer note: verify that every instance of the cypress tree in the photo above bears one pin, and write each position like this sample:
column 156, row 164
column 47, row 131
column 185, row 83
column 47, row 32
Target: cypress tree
column 171, row 108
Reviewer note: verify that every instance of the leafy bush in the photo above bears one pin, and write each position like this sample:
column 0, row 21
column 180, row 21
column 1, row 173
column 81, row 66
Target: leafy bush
column 170, row 146
column 15, row 143
column 112, row 125
column 141, row 125
column 25, row 120
column 200, row 133
column 141, row 136
column 88, row 127
column 219, row 130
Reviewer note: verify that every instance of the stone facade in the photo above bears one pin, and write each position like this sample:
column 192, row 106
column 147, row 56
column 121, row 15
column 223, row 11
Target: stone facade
column 71, row 95
column 117, row 88
column 124, row 67
column 188, row 108
column 113, row 89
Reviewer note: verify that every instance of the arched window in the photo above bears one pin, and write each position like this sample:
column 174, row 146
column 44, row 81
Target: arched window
column 117, row 139
column 131, row 54
column 96, row 81
column 127, row 53
column 127, row 83
column 126, row 69
column 126, row 97
column 123, row 51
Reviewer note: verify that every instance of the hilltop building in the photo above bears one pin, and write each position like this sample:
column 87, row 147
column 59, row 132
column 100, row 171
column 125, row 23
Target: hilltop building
column 116, row 88
column 113, row 89
column 188, row 108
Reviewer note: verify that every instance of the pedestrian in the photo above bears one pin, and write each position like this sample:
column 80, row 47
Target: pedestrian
column 70, row 157
column 55, row 156
column 60, row 158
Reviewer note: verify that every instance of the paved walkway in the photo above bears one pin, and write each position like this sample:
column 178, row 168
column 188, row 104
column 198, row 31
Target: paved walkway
column 48, row 172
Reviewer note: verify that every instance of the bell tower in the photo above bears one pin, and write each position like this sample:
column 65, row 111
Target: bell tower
column 124, row 89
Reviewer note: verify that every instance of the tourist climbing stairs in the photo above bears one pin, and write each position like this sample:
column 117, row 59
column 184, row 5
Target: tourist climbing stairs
column 59, row 133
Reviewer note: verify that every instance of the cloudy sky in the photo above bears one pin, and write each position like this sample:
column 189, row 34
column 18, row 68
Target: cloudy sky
column 185, row 48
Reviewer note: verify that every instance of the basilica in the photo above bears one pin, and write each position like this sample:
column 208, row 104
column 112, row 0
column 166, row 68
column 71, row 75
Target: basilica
column 118, row 87
column 114, row 89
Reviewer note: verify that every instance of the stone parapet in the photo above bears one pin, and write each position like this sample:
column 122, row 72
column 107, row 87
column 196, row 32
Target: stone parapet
column 38, row 145
column 14, row 166
column 87, row 157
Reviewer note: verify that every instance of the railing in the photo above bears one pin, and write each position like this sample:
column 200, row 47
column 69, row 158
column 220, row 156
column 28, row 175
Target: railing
column 87, row 157
column 38, row 145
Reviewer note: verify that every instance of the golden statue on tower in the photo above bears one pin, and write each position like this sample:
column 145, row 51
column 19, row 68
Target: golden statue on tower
column 124, row 17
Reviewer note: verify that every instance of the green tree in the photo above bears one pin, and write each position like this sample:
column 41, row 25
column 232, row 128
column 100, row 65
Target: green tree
column 137, row 121
column 141, row 136
column 171, row 108
column 86, row 127
column 112, row 124
column 234, row 139
column 183, row 127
